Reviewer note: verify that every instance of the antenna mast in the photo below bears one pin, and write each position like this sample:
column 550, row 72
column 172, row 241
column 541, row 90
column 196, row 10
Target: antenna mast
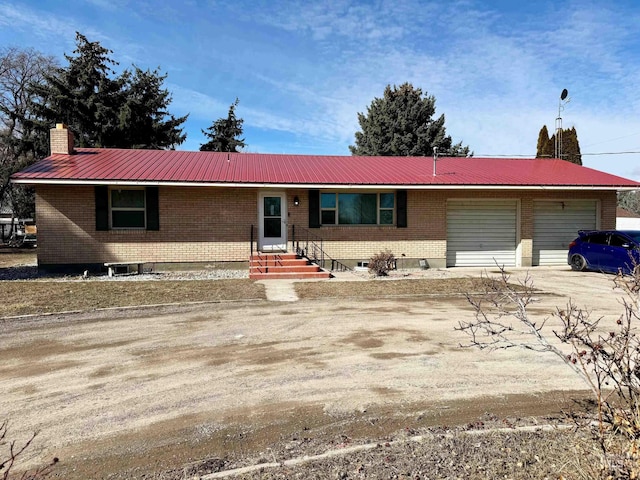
column 563, row 97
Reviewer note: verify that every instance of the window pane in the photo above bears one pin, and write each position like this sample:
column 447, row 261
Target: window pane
column 386, row 217
column 328, row 217
column 386, row 200
column 128, row 219
column 599, row 238
column 328, row 200
column 127, row 198
column 617, row 241
column 369, row 205
column 272, row 228
column 357, row 208
column 272, row 207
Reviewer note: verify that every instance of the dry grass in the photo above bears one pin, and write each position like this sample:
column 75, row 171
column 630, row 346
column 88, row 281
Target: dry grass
column 377, row 288
column 515, row 455
column 34, row 297
column 42, row 296
column 10, row 257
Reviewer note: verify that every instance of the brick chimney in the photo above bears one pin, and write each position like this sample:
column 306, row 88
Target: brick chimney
column 61, row 140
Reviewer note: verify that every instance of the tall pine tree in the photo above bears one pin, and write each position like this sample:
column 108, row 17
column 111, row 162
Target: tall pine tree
column 546, row 147
column 105, row 110
column 224, row 133
column 401, row 124
column 143, row 120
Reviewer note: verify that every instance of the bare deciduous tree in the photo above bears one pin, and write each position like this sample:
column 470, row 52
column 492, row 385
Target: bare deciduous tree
column 20, row 144
column 607, row 358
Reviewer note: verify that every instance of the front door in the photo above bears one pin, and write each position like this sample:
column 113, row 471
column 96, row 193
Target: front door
column 272, row 216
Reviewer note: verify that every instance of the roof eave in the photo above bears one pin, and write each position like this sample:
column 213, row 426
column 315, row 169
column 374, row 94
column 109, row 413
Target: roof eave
column 150, row 183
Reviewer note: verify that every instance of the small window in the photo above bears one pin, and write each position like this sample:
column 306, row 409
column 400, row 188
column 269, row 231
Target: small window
column 386, row 208
column 328, row 208
column 128, row 208
column 598, row 238
column 618, row 241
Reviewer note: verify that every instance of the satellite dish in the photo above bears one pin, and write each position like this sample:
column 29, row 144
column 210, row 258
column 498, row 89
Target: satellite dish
column 564, row 94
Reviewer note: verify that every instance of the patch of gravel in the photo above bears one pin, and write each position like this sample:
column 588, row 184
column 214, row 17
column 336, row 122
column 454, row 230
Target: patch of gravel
column 30, row 272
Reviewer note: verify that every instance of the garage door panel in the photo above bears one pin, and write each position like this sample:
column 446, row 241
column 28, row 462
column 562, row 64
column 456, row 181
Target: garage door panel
column 481, row 233
column 491, row 258
column 556, row 224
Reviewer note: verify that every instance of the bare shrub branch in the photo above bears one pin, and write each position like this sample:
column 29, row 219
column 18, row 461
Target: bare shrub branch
column 381, row 263
column 13, row 454
column 606, row 358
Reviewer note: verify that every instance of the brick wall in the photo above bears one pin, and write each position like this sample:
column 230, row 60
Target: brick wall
column 61, row 140
column 196, row 225
column 199, row 224
column 425, row 237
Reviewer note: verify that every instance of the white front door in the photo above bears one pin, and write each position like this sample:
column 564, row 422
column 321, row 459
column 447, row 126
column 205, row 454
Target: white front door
column 272, row 220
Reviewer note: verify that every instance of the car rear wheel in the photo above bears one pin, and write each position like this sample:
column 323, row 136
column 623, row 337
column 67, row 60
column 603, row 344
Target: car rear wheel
column 578, row 263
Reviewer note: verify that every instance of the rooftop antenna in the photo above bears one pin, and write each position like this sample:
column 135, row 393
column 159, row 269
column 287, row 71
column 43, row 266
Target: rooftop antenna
column 435, row 159
column 558, row 146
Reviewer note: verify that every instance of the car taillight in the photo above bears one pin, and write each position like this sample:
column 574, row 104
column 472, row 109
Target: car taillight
column 572, row 244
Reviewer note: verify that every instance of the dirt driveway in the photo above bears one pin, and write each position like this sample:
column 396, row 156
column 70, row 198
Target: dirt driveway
column 127, row 392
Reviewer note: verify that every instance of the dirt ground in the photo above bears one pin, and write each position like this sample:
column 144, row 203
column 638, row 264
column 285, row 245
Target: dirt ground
column 135, row 393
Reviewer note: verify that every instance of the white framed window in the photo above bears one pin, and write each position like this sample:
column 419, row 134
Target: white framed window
column 127, row 208
column 348, row 208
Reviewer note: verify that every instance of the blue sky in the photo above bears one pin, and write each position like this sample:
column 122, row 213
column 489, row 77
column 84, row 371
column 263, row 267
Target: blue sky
column 302, row 70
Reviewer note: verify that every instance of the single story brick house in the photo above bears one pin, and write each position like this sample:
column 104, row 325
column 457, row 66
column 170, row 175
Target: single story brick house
column 98, row 205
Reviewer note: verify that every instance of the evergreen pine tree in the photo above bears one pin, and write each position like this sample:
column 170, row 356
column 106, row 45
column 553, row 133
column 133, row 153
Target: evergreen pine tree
column 542, row 150
column 401, row 124
column 224, row 133
column 104, row 110
column 570, row 145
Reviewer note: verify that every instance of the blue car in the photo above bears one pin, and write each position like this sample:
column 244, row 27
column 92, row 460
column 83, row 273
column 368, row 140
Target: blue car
column 610, row 251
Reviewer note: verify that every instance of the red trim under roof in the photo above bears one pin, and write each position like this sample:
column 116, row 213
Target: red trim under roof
column 107, row 166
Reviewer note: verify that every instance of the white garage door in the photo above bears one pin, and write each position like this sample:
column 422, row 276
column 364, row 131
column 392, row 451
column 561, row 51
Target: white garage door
column 481, row 233
column 556, row 224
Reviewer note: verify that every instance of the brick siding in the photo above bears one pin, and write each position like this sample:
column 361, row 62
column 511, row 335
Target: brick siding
column 201, row 224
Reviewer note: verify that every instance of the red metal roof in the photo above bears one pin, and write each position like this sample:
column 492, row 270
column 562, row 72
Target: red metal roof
column 105, row 166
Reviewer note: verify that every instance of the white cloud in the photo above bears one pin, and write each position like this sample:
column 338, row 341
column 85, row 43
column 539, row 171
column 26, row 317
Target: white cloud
column 22, row 17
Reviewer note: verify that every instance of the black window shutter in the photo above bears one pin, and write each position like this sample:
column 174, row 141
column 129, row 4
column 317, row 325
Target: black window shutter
column 314, row 208
column 102, row 207
column 153, row 214
column 401, row 208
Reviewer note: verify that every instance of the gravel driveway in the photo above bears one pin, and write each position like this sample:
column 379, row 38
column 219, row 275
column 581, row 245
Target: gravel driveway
column 126, row 391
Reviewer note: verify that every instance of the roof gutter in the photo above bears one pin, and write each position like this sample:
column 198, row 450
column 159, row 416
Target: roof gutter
column 322, row 186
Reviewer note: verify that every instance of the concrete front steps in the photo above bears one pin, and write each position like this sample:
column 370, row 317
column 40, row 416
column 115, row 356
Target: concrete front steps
column 264, row 266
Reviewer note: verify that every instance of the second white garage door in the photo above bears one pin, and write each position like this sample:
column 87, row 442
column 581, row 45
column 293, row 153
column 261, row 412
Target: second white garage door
column 556, row 224
column 481, row 233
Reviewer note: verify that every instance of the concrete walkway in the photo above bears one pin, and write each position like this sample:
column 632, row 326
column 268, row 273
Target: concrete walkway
column 559, row 280
column 280, row 290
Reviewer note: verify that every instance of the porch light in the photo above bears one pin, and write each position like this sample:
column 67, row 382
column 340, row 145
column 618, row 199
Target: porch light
column 296, row 201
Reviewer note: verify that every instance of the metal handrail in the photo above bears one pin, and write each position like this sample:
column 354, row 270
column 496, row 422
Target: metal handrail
column 311, row 246
column 258, row 261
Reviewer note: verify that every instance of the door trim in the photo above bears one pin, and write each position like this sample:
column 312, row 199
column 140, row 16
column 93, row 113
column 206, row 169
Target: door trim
column 271, row 244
